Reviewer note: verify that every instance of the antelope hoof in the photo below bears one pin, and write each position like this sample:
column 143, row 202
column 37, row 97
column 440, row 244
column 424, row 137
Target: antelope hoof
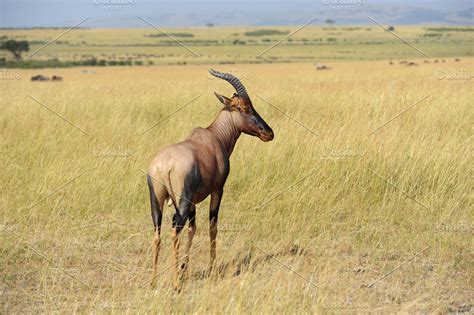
column 178, row 285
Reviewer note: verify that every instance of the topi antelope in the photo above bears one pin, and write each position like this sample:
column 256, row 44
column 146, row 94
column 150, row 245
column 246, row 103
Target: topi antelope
column 186, row 173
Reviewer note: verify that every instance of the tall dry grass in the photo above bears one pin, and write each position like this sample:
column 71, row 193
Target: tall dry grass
column 328, row 217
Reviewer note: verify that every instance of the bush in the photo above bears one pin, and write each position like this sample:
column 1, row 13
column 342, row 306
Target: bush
column 16, row 47
column 181, row 34
column 90, row 62
column 266, row 32
column 238, row 42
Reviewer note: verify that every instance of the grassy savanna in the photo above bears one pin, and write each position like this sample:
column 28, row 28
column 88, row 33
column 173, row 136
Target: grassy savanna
column 363, row 202
column 245, row 44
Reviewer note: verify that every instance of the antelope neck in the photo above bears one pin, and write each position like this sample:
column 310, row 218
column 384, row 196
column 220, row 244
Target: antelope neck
column 224, row 130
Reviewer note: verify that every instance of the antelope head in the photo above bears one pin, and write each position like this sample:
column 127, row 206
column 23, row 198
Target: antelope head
column 245, row 117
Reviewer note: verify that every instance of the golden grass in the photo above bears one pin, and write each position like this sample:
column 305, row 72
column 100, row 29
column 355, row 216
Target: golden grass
column 307, row 223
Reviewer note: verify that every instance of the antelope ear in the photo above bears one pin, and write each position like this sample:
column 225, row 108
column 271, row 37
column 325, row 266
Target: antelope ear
column 224, row 100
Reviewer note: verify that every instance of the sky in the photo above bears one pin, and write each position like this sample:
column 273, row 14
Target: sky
column 181, row 13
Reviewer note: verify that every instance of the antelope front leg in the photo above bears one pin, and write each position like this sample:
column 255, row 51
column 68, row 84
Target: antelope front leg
column 213, row 217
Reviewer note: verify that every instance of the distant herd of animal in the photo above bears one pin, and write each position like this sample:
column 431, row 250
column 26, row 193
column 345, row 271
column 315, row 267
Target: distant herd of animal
column 411, row 63
column 40, row 77
column 320, row 66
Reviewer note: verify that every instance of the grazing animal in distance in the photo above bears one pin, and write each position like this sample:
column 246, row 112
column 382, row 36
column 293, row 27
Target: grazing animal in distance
column 56, row 78
column 187, row 172
column 39, row 77
column 320, row 66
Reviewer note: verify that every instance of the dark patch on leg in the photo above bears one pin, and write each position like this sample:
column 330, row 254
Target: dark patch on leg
column 191, row 184
column 214, row 212
column 178, row 222
column 156, row 213
column 192, row 217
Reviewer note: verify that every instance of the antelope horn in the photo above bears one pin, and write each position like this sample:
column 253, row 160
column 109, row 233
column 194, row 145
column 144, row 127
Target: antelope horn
column 238, row 86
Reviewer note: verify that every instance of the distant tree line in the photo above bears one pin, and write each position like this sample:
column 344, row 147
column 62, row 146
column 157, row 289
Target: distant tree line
column 266, row 33
column 180, row 34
